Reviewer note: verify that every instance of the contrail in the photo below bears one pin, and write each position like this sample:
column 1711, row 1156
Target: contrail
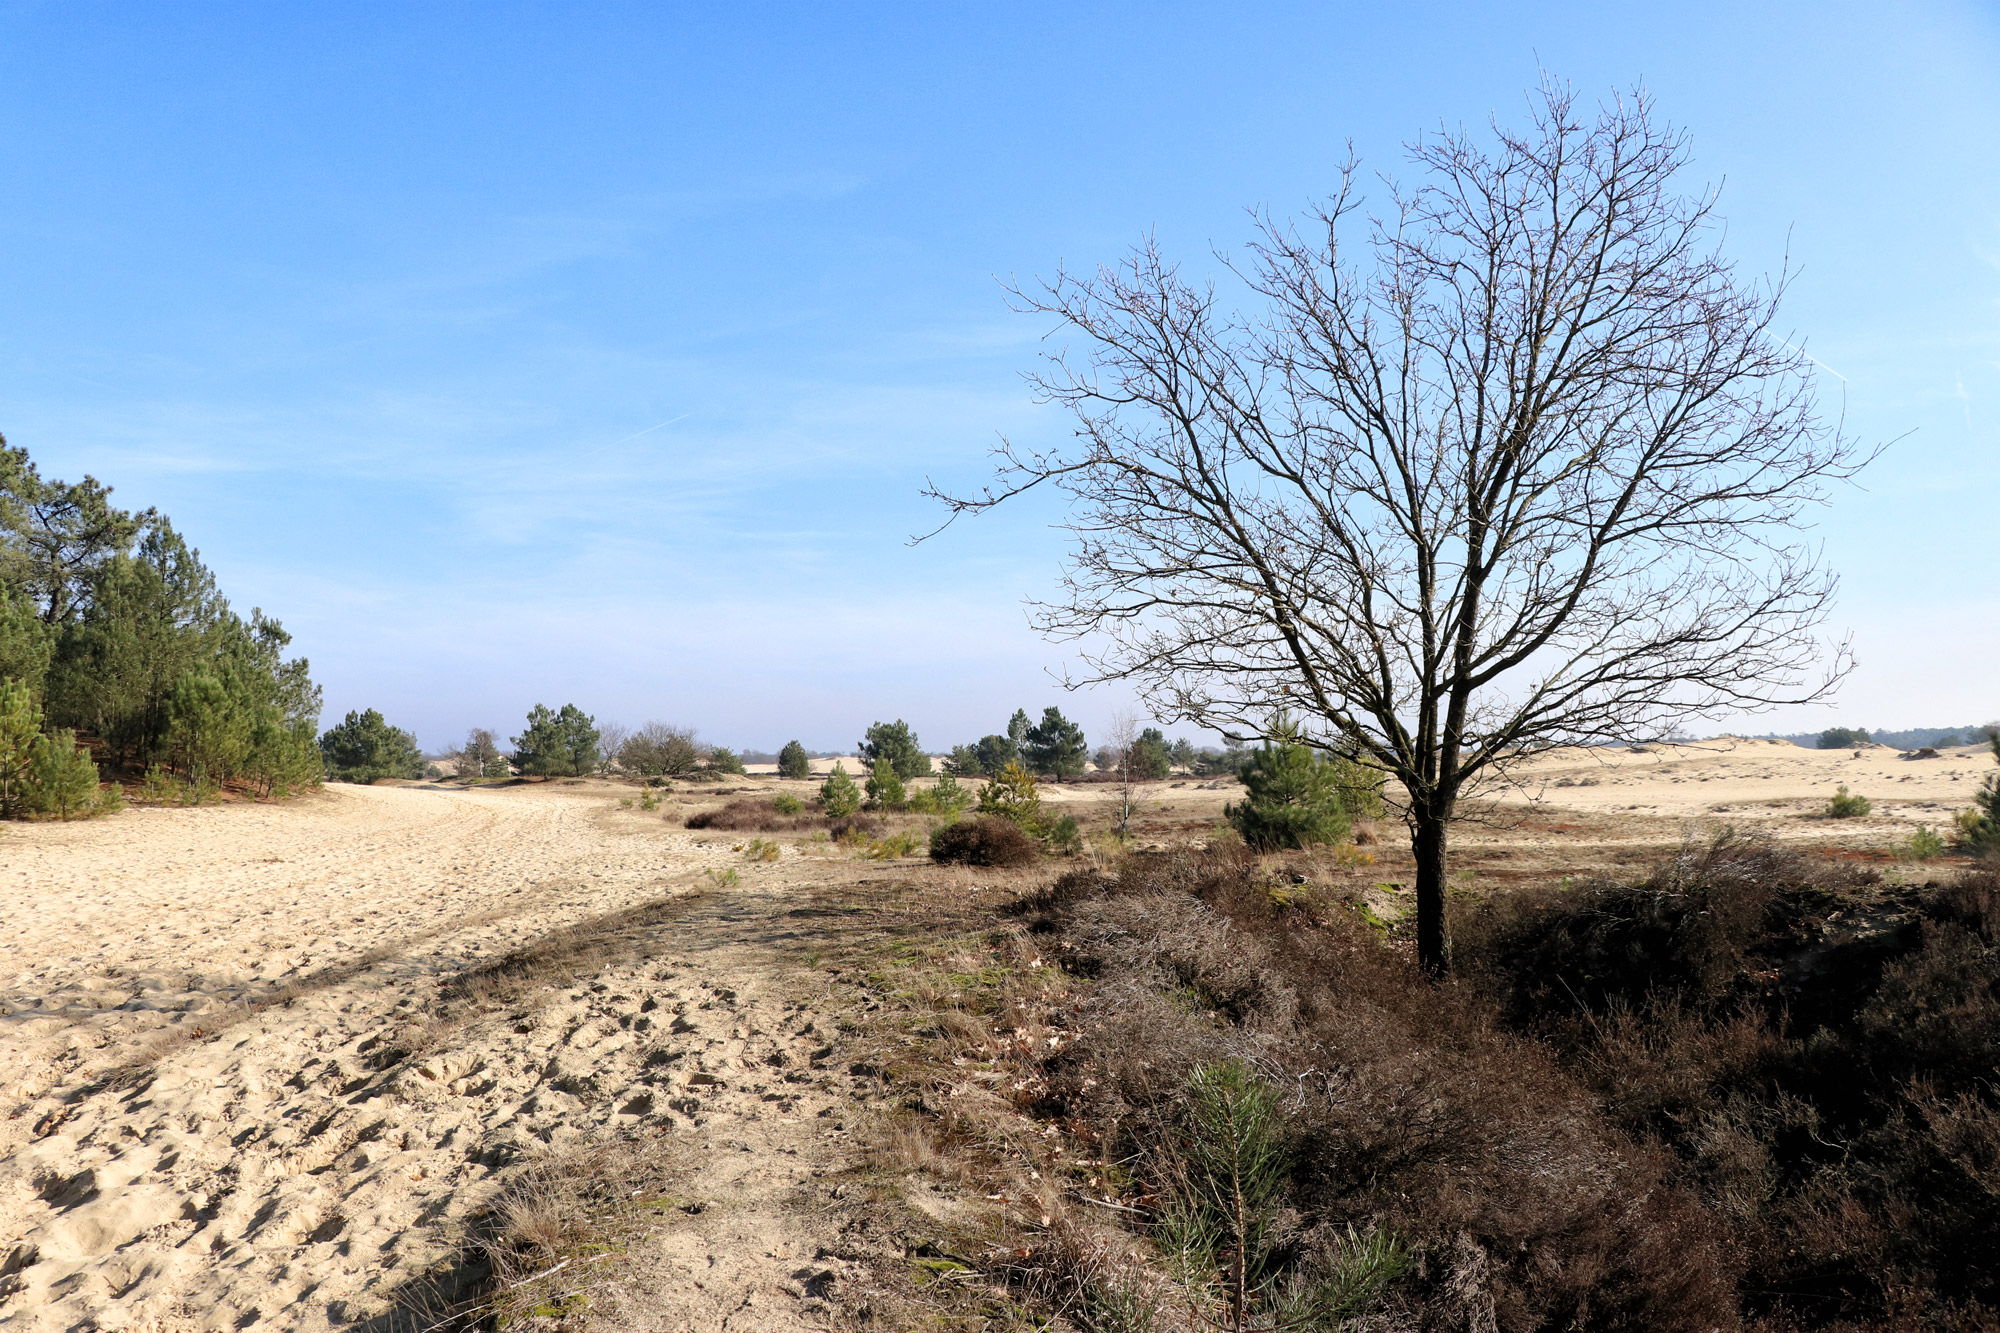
column 637, row 433
column 1810, row 357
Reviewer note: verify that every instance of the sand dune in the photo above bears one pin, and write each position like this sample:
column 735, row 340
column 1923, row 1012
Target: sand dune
column 233, row 1092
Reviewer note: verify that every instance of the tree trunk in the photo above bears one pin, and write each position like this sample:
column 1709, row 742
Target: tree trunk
column 1427, row 841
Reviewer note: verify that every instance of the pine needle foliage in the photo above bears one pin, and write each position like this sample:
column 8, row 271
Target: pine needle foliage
column 1011, row 794
column 838, row 796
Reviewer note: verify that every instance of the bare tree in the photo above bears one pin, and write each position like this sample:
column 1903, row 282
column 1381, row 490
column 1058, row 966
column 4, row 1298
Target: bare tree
column 1532, row 473
column 611, row 738
column 480, row 756
column 1120, row 742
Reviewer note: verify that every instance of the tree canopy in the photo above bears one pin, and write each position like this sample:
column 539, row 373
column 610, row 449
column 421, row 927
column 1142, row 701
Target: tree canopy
column 115, row 628
column 364, row 747
column 1508, row 460
column 558, row 744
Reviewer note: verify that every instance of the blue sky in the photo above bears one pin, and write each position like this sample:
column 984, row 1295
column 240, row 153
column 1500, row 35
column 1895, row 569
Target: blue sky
column 377, row 301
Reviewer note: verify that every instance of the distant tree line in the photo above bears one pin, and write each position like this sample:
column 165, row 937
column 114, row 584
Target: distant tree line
column 115, row 643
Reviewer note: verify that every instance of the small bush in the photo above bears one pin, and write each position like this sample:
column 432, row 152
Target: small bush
column 760, row 849
column 787, row 804
column 894, row 847
column 1842, row 805
column 946, row 797
column 838, row 796
column 1011, row 794
column 853, row 829
column 722, row 759
column 985, row 841
column 1065, row 838
column 1923, row 845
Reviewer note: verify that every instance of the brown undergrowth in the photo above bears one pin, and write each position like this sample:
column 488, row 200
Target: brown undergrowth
column 1751, row 1089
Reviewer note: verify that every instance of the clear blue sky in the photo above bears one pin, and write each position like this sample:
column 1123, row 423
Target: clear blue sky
column 375, row 302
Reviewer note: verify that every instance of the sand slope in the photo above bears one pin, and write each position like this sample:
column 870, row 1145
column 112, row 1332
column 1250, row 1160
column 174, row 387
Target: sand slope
column 227, row 1097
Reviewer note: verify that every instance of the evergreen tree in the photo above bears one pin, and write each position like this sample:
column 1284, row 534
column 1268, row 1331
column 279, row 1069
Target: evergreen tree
column 1293, row 799
column 1018, row 727
column 26, row 643
column 365, row 747
column 793, row 762
column 64, row 778
column 20, row 736
column 1182, row 754
column 1011, row 794
column 885, row 788
column 1150, row 758
column 560, row 744
column 895, row 742
column 722, row 759
column 996, row 752
column 1055, row 746
column 104, row 613
column 838, row 796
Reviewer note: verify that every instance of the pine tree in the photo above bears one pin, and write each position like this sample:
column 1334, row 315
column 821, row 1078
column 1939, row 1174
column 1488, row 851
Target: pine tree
column 365, row 747
column 1011, row 794
column 793, row 762
column 560, row 744
column 885, row 788
column 895, row 742
column 838, row 796
column 1293, row 799
column 1055, row 746
column 64, row 777
column 20, row 735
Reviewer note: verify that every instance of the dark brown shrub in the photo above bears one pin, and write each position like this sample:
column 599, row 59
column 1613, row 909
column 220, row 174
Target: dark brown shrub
column 751, row 815
column 1409, row 1107
column 853, row 826
column 984, row 841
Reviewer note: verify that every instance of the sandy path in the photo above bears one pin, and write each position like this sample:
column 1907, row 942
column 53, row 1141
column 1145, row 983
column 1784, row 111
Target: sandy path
column 177, row 1151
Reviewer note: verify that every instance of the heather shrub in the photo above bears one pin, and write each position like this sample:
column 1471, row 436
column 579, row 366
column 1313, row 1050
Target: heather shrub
column 838, row 796
column 1408, row 1115
column 749, row 815
column 986, row 840
column 1815, row 1051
